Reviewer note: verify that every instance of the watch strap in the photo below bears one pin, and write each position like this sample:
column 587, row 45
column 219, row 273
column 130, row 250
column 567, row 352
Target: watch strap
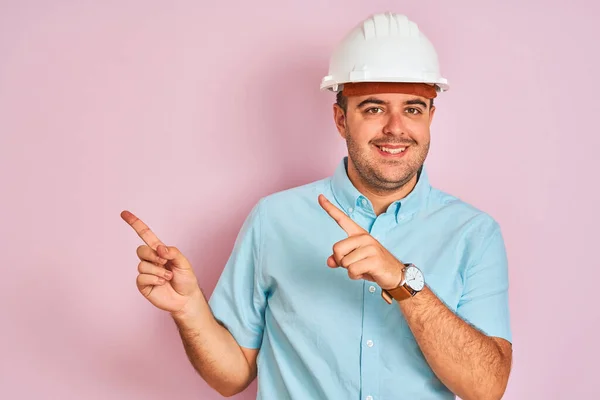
column 400, row 293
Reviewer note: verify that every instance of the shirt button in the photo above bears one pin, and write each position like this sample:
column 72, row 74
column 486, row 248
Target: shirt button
column 350, row 209
column 369, row 343
column 372, row 289
column 369, row 398
column 364, row 202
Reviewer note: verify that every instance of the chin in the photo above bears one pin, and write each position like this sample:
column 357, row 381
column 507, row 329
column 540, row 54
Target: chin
column 395, row 182
column 399, row 177
column 393, row 172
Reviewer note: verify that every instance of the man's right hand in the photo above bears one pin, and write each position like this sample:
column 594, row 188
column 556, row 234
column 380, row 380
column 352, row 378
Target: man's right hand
column 166, row 277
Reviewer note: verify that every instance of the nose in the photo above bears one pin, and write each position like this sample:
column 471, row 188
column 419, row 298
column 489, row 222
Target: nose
column 394, row 124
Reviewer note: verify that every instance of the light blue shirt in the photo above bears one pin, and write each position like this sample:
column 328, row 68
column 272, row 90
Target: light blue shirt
column 323, row 335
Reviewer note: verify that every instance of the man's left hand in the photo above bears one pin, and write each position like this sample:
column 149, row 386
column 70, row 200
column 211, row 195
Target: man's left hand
column 361, row 254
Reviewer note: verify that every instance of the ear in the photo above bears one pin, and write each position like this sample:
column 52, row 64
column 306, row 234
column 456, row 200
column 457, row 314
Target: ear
column 431, row 113
column 339, row 117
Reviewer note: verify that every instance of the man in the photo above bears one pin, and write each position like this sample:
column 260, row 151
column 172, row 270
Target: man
column 369, row 284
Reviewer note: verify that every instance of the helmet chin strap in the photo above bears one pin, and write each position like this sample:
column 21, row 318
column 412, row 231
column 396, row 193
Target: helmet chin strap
column 365, row 88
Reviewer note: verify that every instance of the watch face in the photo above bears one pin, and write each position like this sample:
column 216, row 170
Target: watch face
column 414, row 278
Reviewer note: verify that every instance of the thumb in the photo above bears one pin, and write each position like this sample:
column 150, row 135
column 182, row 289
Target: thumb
column 173, row 254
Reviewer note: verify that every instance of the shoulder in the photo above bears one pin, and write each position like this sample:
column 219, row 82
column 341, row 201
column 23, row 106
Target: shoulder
column 475, row 222
column 298, row 198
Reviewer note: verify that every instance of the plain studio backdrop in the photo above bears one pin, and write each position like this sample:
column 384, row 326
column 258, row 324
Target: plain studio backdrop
column 187, row 112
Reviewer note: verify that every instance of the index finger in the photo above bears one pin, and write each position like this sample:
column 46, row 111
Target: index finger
column 344, row 221
column 142, row 230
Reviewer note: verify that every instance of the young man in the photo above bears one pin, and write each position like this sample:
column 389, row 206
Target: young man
column 369, row 284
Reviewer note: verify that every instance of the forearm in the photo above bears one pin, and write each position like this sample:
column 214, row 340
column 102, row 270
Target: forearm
column 212, row 350
column 471, row 364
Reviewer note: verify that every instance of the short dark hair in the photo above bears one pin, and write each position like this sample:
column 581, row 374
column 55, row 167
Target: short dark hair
column 342, row 101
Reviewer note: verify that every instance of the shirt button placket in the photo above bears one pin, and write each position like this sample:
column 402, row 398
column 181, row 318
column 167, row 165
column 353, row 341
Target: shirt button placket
column 370, row 352
column 372, row 307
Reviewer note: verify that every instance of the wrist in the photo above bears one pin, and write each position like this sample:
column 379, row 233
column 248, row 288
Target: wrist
column 399, row 277
column 191, row 310
column 410, row 283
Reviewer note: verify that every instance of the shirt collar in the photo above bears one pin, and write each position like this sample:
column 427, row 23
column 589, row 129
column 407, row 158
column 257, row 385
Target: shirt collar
column 349, row 198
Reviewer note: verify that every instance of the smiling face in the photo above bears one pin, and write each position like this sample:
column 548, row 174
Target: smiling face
column 387, row 137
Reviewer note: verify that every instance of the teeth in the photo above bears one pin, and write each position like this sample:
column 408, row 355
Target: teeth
column 393, row 151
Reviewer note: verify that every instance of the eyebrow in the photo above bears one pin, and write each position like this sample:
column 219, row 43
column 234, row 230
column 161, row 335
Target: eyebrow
column 374, row 100
column 371, row 100
column 416, row 102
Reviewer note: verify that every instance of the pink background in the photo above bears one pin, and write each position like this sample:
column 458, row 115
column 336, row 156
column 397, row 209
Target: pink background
column 187, row 113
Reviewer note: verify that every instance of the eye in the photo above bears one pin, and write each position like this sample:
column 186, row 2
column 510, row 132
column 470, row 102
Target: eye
column 374, row 110
column 413, row 111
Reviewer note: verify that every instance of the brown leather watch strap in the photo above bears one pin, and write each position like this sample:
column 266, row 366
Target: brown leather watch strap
column 400, row 293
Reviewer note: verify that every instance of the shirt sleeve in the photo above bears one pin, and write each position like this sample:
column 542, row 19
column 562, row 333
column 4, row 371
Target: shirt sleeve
column 484, row 301
column 238, row 300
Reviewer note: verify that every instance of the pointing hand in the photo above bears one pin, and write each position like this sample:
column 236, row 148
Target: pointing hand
column 361, row 254
column 166, row 277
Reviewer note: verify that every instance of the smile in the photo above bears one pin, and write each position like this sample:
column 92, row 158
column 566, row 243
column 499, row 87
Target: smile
column 390, row 150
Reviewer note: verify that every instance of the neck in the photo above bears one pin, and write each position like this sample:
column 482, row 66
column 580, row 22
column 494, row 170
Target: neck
column 380, row 199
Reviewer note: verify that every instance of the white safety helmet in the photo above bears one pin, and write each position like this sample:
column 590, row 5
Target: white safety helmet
column 384, row 48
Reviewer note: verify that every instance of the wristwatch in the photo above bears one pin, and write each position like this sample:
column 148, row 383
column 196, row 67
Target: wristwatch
column 412, row 283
